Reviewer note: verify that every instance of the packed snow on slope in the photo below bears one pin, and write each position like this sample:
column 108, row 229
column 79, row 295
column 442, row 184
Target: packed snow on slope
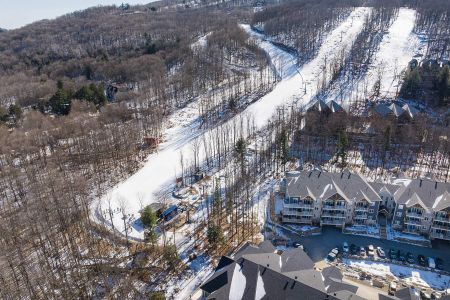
column 396, row 50
column 409, row 275
column 292, row 88
column 155, row 180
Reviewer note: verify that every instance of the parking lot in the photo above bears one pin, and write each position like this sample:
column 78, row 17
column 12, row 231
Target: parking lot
column 319, row 246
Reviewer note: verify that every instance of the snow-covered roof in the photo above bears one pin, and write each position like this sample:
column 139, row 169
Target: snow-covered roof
column 258, row 272
column 323, row 185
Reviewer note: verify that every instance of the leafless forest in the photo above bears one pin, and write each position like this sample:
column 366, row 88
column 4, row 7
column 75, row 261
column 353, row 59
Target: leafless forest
column 62, row 144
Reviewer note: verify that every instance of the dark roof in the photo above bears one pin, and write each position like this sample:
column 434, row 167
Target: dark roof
column 259, row 273
column 169, row 210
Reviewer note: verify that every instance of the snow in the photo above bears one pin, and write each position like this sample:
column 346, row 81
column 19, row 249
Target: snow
column 154, row 180
column 396, row 50
column 260, row 291
column 291, row 88
column 238, row 284
column 409, row 275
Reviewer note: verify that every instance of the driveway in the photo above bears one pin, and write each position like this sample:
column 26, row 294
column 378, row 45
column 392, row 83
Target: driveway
column 319, row 246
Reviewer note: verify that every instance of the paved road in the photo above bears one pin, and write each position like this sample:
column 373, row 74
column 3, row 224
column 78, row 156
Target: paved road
column 319, row 246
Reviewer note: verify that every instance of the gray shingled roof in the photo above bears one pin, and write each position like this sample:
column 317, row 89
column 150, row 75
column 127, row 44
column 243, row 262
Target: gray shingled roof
column 431, row 195
column 272, row 276
column 379, row 186
column 322, row 185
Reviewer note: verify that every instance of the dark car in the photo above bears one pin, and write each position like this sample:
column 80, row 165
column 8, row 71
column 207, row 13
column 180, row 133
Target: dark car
column 401, row 256
column 353, row 249
column 421, row 260
column 410, row 258
column 392, row 254
column 439, row 263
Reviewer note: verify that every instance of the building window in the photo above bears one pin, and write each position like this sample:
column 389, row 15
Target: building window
column 371, row 211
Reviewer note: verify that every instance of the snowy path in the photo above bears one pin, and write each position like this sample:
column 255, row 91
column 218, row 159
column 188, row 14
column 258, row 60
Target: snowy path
column 161, row 168
column 396, row 50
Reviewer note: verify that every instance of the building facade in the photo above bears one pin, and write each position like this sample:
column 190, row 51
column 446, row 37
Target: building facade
column 334, row 199
column 320, row 198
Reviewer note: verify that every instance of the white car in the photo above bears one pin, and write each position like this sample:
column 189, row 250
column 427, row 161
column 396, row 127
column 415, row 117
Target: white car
column 345, row 247
column 371, row 251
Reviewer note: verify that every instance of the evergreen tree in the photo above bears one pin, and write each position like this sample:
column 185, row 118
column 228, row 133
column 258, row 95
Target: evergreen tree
column 443, row 85
column 215, row 235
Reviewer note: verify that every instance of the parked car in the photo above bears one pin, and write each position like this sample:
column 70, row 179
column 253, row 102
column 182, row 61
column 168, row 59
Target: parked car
column 401, row 256
column 371, row 251
column 439, row 263
column 393, row 254
column 421, row 260
column 410, row 258
column 362, row 251
column 333, row 254
column 353, row 249
column 431, row 263
column 381, row 253
column 345, row 247
column 297, row 245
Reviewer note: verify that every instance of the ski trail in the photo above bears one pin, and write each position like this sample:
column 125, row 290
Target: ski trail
column 296, row 81
column 160, row 170
column 396, row 49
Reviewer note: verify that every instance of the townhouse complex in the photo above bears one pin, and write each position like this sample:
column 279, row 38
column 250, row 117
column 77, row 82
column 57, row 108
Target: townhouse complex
column 341, row 199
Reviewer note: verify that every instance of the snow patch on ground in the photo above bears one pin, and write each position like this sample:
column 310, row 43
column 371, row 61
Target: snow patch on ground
column 409, row 275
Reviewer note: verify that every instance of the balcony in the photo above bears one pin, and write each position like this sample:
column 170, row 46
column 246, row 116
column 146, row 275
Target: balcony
column 333, row 215
column 294, row 219
column 298, row 213
column 361, row 208
column 440, row 226
column 334, row 207
column 442, row 218
column 298, row 205
column 414, row 214
column 332, row 222
column 360, row 216
column 413, row 221
column 441, row 236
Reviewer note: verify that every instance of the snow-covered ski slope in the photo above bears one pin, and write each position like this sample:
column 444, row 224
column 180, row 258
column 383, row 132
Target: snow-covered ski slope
column 396, row 50
column 298, row 80
column 161, row 168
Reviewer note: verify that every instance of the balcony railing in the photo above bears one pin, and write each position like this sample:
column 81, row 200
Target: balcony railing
column 298, row 220
column 361, row 216
column 442, row 227
column 298, row 205
column 440, row 236
column 298, row 213
column 332, row 215
column 359, row 208
column 414, row 214
column 442, row 219
column 413, row 221
column 334, row 207
column 332, row 222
